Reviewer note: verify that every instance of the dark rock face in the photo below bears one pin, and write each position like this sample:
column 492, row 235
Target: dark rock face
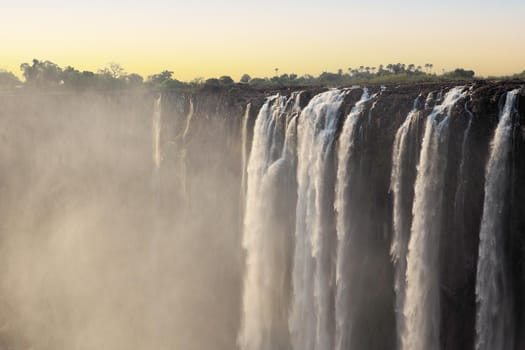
column 468, row 152
column 218, row 117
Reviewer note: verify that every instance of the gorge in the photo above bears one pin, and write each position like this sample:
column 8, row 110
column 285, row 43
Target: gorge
column 379, row 217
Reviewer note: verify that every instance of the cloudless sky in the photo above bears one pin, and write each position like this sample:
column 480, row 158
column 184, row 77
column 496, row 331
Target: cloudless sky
column 210, row 37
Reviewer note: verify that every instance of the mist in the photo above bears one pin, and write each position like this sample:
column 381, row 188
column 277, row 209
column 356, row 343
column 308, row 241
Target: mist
column 100, row 245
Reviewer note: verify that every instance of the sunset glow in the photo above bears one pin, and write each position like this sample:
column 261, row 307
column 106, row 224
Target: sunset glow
column 214, row 38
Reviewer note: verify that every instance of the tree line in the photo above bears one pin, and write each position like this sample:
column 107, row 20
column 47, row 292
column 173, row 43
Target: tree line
column 44, row 74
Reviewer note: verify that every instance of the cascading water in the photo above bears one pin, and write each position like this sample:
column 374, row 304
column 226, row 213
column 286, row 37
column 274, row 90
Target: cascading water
column 421, row 308
column 403, row 156
column 245, row 151
column 494, row 328
column 310, row 322
column 345, row 165
column 266, row 235
column 156, row 126
column 311, row 290
column 459, row 200
column 183, row 159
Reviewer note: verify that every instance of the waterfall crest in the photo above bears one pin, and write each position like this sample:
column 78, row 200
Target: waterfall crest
column 405, row 150
column 345, row 166
column 310, row 321
column 267, row 235
column 421, row 309
column 494, row 328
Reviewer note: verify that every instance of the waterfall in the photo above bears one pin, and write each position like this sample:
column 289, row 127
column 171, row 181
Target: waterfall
column 462, row 183
column 345, row 163
column 267, row 236
column 313, row 248
column 459, row 200
column 421, row 308
column 184, row 160
column 402, row 162
column 245, row 151
column 310, row 322
column 252, row 217
column 494, row 328
column 156, row 126
column 189, row 117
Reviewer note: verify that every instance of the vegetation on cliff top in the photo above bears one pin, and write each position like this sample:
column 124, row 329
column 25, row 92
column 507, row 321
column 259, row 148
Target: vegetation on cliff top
column 43, row 74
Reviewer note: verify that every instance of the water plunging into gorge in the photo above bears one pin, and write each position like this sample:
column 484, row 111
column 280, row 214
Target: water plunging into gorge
column 324, row 292
column 358, row 218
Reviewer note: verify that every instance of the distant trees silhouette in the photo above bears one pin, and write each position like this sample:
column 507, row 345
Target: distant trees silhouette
column 45, row 74
column 41, row 73
column 8, row 79
column 460, row 73
column 245, row 78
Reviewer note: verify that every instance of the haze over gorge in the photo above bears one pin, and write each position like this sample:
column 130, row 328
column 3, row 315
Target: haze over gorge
column 249, row 175
column 263, row 217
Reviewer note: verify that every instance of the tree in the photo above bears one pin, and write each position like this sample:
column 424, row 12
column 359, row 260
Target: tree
column 8, row 79
column 160, row 78
column 197, row 81
column 257, row 81
column 114, row 70
column 212, row 83
column 284, row 79
column 134, row 79
column 329, row 78
column 226, row 80
column 461, row 73
column 245, row 78
column 307, row 78
column 71, row 77
column 41, row 73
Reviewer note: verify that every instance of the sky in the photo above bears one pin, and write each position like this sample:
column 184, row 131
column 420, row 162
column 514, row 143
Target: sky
column 210, row 38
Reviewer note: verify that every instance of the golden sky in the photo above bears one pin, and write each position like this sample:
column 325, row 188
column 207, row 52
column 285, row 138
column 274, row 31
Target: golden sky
column 214, row 38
